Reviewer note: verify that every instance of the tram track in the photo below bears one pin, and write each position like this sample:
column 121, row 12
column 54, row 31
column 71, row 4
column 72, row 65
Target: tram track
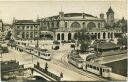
column 80, row 71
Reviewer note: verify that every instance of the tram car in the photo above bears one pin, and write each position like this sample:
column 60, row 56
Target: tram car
column 97, row 69
column 75, row 60
column 42, row 53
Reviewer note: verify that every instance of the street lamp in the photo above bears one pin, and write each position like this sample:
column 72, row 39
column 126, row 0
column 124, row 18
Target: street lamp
column 37, row 44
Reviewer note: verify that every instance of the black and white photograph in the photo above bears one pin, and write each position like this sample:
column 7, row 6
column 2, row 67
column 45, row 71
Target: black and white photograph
column 63, row 40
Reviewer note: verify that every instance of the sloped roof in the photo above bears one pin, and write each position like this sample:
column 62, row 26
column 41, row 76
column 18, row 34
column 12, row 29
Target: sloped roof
column 73, row 15
column 110, row 10
column 25, row 21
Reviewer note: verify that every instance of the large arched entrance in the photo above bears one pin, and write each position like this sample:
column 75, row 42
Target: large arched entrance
column 98, row 35
column 75, row 25
column 104, row 35
column 111, row 35
column 69, row 36
column 95, row 35
column 62, row 36
column 108, row 35
column 58, row 36
column 91, row 25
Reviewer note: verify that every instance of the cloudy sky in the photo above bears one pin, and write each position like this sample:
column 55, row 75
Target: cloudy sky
column 31, row 9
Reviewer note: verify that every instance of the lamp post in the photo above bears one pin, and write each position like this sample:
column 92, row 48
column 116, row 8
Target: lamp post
column 37, row 44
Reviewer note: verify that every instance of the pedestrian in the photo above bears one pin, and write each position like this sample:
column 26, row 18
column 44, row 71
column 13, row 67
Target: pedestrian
column 38, row 64
column 46, row 67
column 61, row 75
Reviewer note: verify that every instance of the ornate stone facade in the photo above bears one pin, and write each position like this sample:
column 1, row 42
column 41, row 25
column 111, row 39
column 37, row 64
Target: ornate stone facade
column 66, row 26
column 26, row 29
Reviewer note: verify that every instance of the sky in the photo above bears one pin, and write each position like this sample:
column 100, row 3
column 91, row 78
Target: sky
column 30, row 10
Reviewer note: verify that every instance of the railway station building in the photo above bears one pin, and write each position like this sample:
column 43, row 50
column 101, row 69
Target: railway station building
column 66, row 26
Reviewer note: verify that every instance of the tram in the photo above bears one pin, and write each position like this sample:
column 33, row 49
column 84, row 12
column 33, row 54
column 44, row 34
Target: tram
column 76, row 60
column 42, row 53
column 97, row 69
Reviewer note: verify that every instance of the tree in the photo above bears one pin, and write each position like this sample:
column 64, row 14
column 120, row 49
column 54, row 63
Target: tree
column 122, row 41
column 84, row 40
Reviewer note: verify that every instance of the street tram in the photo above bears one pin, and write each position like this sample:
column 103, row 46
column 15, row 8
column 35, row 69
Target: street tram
column 97, row 69
column 76, row 60
column 41, row 53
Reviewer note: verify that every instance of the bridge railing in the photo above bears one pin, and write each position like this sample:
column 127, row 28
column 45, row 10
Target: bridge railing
column 47, row 72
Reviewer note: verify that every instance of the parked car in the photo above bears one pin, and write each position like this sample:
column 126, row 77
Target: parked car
column 56, row 42
column 55, row 47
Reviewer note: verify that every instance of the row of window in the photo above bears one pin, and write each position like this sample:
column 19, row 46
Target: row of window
column 77, row 25
column 23, row 27
column 97, row 68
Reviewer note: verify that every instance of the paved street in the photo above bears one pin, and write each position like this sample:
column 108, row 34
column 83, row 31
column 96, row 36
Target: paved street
column 57, row 65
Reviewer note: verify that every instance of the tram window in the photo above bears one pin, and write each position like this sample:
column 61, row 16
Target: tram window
column 90, row 66
column 107, row 70
column 39, row 54
column 94, row 67
column 97, row 68
column 48, row 54
column 103, row 70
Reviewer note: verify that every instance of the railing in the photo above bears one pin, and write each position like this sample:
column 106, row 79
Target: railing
column 116, row 52
column 47, row 72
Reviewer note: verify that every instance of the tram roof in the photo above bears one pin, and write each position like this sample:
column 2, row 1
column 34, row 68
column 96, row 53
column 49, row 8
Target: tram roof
column 96, row 64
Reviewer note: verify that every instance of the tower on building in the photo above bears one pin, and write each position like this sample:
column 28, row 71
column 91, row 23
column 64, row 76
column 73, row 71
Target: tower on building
column 110, row 17
column 61, row 15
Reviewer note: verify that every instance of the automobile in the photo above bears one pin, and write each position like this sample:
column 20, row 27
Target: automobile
column 56, row 42
column 72, row 46
column 55, row 47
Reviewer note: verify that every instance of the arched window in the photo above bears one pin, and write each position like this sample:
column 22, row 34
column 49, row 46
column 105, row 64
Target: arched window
column 62, row 36
column 65, row 24
column 108, row 35
column 91, row 25
column 111, row 35
column 98, row 35
column 31, row 35
column 75, row 25
column 69, row 36
column 98, row 25
column 18, row 27
column 58, row 36
column 23, row 35
column 75, row 36
column 27, row 35
column 104, row 35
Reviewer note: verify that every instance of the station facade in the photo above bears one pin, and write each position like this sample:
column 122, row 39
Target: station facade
column 66, row 26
